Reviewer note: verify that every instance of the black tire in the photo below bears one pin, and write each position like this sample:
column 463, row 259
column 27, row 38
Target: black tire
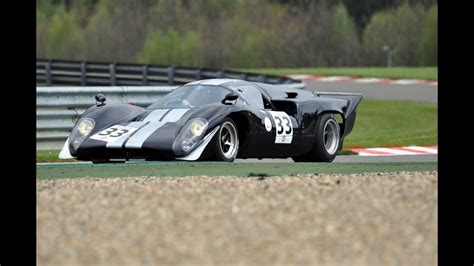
column 226, row 143
column 324, row 151
column 341, row 144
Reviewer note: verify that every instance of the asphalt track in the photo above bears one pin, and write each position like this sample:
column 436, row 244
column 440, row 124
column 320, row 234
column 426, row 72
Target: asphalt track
column 360, row 159
column 339, row 159
column 415, row 92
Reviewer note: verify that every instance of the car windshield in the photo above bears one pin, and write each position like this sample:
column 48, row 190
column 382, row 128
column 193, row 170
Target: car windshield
column 190, row 96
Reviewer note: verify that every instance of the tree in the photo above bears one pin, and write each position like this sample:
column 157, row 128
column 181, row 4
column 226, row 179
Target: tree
column 116, row 31
column 362, row 10
column 171, row 48
column 400, row 29
column 343, row 43
column 59, row 37
column 428, row 46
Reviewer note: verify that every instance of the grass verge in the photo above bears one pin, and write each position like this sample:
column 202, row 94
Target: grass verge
column 428, row 73
column 382, row 123
column 45, row 156
column 220, row 169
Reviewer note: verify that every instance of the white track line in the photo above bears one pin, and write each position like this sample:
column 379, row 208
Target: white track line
column 368, row 80
column 423, row 149
column 407, row 81
column 365, row 80
column 393, row 151
column 412, row 150
column 333, row 78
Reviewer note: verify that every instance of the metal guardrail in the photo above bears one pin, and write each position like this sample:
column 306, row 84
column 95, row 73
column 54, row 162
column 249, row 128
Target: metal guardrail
column 82, row 73
column 58, row 108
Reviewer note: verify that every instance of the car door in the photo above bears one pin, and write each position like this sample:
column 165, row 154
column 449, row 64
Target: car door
column 285, row 134
column 273, row 132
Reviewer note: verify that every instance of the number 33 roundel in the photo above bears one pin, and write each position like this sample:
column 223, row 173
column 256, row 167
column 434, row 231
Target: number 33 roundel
column 113, row 133
column 284, row 128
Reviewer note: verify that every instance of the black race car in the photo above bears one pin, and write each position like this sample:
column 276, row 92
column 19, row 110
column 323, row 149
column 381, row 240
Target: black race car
column 217, row 119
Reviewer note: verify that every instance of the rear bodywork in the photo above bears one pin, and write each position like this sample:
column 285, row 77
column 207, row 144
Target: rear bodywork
column 156, row 131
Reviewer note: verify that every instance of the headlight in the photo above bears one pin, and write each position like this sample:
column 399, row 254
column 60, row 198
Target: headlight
column 85, row 126
column 79, row 133
column 190, row 135
column 197, row 127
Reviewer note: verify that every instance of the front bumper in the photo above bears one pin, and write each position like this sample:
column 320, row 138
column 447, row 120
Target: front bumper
column 157, row 148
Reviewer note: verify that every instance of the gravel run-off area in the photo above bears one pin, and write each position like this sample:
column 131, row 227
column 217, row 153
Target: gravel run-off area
column 359, row 219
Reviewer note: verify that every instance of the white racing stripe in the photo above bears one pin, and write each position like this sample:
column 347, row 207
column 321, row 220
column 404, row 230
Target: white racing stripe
column 155, row 115
column 136, row 141
column 119, row 142
column 174, row 115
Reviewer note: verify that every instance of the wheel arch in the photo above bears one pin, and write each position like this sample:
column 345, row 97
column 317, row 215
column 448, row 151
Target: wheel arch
column 243, row 124
column 340, row 119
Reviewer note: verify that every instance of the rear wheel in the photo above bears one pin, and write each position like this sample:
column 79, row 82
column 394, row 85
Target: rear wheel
column 227, row 141
column 326, row 143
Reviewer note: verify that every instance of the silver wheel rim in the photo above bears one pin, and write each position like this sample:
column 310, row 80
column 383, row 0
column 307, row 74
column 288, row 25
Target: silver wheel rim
column 331, row 136
column 228, row 140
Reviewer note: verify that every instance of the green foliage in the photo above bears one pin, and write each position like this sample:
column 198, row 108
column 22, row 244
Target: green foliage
column 342, row 38
column 428, row 46
column 362, row 10
column 61, row 37
column 115, row 32
column 401, row 29
column 171, row 48
column 243, row 33
column 45, row 9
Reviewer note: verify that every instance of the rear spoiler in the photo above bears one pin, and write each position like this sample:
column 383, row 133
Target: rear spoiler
column 353, row 99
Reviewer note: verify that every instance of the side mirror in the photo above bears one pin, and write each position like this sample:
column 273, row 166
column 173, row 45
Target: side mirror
column 230, row 97
column 100, row 99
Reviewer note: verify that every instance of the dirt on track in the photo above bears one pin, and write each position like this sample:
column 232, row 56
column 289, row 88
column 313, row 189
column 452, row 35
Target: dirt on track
column 359, row 219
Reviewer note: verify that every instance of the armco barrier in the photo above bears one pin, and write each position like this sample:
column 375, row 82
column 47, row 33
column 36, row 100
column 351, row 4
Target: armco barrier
column 82, row 73
column 58, row 108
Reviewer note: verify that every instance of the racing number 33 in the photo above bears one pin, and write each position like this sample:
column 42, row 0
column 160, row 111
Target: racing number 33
column 114, row 132
column 284, row 127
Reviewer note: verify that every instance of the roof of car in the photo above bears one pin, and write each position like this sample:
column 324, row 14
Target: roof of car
column 272, row 91
column 219, row 82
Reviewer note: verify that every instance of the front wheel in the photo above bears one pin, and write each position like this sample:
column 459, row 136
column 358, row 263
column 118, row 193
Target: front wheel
column 326, row 143
column 227, row 141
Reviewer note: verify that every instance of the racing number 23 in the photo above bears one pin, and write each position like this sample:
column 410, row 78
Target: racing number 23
column 283, row 124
